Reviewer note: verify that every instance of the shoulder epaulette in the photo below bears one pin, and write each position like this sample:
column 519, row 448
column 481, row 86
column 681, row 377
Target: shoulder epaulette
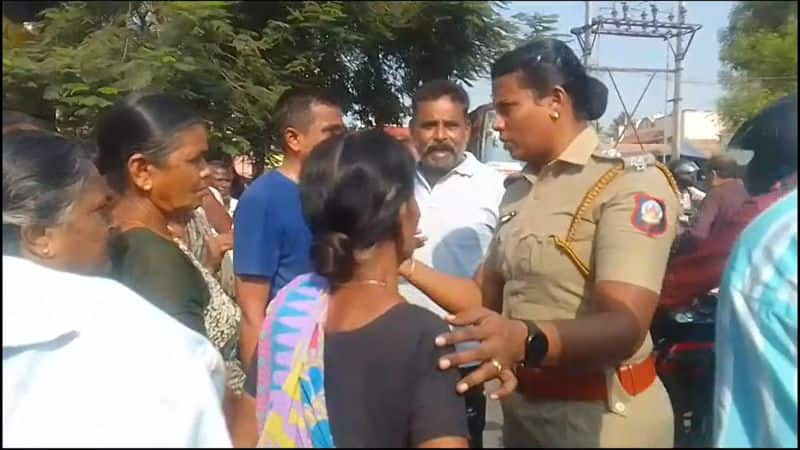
column 637, row 161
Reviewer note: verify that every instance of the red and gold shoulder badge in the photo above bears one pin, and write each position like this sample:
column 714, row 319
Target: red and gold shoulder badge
column 649, row 215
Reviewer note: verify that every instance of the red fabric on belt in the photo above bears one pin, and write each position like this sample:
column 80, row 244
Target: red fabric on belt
column 559, row 384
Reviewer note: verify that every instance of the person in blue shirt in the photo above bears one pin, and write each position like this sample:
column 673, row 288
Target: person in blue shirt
column 755, row 397
column 272, row 239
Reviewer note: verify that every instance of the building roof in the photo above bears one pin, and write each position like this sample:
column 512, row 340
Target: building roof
column 705, row 147
column 646, row 136
column 694, row 148
column 632, row 147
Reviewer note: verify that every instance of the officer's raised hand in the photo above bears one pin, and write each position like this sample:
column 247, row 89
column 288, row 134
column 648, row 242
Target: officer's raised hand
column 502, row 346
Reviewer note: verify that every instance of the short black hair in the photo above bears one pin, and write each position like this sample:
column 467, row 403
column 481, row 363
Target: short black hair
column 43, row 174
column 217, row 164
column 772, row 137
column 140, row 123
column 294, row 107
column 436, row 89
column 546, row 63
column 724, row 166
column 352, row 187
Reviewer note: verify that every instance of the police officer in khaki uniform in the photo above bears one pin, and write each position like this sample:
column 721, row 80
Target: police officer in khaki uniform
column 575, row 267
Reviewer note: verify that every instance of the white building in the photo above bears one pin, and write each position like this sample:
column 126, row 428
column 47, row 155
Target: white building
column 703, row 134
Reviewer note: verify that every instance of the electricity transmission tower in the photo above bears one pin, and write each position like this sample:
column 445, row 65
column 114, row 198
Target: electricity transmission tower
column 648, row 25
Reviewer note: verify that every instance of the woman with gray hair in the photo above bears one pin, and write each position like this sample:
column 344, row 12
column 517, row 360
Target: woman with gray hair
column 72, row 344
column 55, row 204
column 152, row 151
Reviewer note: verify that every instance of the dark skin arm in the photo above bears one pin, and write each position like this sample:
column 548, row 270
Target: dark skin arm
column 603, row 339
column 216, row 247
column 701, row 227
column 251, row 294
column 454, row 294
column 492, row 288
column 217, row 216
column 445, row 442
column 699, row 230
column 240, row 415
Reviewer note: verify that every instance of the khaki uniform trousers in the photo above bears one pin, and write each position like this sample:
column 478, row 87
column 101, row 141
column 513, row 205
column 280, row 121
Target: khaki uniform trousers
column 647, row 422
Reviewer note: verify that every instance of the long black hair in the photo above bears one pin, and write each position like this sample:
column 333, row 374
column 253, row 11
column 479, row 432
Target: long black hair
column 546, row 63
column 352, row 188
column 140, row 123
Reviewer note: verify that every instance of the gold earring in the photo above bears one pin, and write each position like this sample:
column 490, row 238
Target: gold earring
column 555, row 115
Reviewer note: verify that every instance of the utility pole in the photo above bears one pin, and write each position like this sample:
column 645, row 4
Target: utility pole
column 645, row 27
column 587, row 51
column 677, row 116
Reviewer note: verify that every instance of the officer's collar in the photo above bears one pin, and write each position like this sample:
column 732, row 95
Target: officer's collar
column 577, row 152
column 581, row 148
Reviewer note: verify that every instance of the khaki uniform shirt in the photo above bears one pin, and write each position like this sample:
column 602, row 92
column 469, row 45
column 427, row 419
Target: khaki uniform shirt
column 624, row 235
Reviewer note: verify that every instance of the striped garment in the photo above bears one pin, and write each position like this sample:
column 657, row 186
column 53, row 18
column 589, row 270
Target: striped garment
column 290, row 400
column 755, row 401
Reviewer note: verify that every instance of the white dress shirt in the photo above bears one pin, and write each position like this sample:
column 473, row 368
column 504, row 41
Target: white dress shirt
column 458, row 215
column 89, row 363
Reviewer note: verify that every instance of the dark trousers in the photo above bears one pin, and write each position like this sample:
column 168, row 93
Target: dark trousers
column 476, row 411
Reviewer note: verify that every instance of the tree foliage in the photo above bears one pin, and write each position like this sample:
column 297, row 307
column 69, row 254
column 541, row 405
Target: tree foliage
column 234, row 59
column 538, row 25
column 88, row 55
column 759, row 56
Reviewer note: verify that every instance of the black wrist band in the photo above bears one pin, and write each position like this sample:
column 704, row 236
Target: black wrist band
column 536, row 346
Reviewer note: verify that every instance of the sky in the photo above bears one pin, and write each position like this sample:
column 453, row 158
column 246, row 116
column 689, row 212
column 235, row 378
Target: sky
column 701, row 66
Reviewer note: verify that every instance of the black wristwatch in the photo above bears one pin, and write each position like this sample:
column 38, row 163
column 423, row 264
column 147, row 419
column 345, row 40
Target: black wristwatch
column 536, row 346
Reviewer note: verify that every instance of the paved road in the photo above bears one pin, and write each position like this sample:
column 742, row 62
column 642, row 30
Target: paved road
column 492, row 434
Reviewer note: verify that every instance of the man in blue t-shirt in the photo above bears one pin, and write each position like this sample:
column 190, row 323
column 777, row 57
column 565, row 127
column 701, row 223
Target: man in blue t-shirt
column 273, row 242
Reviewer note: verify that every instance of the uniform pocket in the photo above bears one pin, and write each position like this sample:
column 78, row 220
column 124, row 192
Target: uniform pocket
column 557, row 261
column 524, row 255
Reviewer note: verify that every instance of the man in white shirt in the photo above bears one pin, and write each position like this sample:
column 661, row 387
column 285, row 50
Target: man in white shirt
column 89, row 363
column 458, row 198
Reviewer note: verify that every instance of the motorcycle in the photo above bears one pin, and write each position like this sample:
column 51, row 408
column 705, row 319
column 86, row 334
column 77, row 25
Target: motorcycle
column 684, row 352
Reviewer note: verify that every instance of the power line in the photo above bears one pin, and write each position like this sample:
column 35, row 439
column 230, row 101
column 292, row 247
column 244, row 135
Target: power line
column 637, row 21
column 719, row 83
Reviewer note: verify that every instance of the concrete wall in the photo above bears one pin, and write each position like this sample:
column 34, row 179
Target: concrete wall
column 701, row 125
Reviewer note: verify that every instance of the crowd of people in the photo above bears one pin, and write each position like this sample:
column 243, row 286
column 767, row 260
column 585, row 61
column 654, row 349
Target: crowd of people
column 362, row 293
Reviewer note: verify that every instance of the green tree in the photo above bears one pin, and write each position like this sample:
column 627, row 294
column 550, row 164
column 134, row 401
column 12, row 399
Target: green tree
column 538, row 25
column 88, row 55
column 375, row 54
column 759, row 56
column 234, row 59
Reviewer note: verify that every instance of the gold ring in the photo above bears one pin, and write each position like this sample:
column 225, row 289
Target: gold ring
column 497, row 366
